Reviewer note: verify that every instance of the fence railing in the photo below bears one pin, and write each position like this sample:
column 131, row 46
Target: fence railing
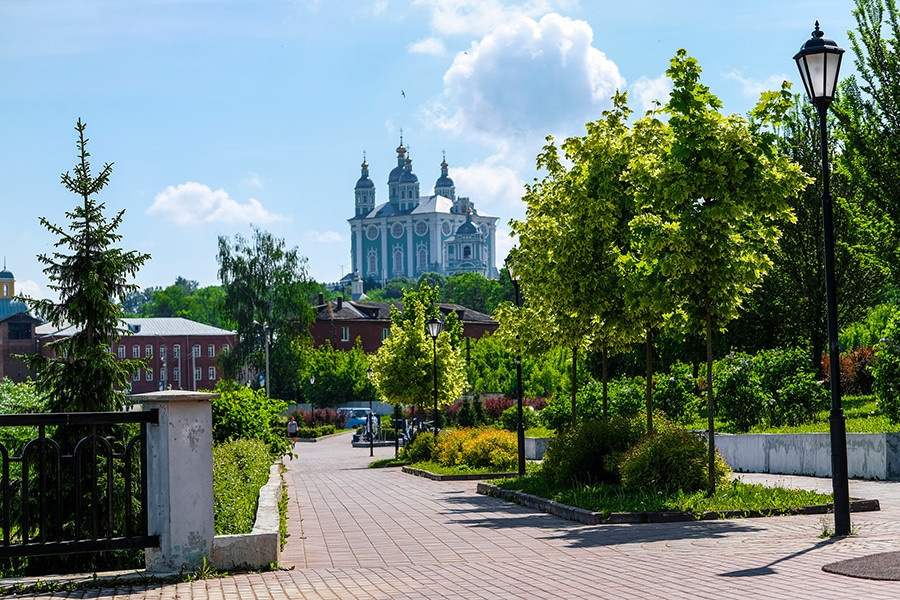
column 82, row 490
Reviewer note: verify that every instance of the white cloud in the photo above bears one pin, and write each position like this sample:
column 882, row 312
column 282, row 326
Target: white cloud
column 505, row 243
column 496, row 190
column 754, row 87
column 451, row 17
column 252, row 180
column 325, row 237
column 645, row 92
column 30, row 288
column 432, row 46
column 526, row 79
column 194, row 204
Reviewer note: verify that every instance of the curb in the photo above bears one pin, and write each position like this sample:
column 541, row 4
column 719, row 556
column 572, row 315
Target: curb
column 461, row 477
column 588, row 517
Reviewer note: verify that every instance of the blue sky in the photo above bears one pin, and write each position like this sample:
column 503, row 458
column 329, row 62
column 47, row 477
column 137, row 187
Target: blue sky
column 222, row 113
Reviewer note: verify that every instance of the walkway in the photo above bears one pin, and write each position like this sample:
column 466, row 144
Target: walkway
column 363, row 533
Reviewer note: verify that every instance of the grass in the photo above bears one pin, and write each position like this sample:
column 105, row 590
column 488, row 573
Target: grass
column 607, row 499
column 387, row 462
column 540, row 432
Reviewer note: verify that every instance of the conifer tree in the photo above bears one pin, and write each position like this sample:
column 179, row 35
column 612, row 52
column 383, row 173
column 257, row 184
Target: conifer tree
column 90, row 275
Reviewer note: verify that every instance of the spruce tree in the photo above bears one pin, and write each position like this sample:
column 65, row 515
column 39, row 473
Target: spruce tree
column 90, row 275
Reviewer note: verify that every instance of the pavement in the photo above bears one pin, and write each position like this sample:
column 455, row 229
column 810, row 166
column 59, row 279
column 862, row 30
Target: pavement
column 378, row 533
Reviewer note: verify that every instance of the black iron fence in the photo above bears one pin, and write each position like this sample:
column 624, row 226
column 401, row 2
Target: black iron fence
column 78, row 485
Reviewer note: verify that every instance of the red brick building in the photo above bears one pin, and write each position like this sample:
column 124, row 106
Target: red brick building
column 341, row 322
column 16, row 330
column 183, row 354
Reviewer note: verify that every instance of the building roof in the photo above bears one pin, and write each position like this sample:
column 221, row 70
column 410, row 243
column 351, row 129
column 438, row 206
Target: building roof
column 10, row 307
column 6, row 275
column 162, row 326
column 354, row 311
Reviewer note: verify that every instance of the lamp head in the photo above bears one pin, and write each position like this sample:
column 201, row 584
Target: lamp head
column 819, row 61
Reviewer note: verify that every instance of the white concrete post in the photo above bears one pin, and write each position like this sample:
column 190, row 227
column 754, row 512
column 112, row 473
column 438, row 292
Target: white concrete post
column 180, row 489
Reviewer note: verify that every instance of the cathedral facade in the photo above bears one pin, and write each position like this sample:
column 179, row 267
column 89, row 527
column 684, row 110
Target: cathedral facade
column 412, row 234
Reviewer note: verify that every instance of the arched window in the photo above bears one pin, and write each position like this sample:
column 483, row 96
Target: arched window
column 421, row 258
column 467, row 252
column 372, row 259
column 398, row 260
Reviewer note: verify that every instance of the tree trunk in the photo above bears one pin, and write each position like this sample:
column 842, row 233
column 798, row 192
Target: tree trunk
column 710, row 407
column 574, row 382
column 649, row 395
column 605, row 378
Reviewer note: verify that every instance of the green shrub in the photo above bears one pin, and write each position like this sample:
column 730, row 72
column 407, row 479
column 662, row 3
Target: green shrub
column 466, row 415
column 509, row 420
column 626, row 396
column 491, row 448
column 671, row 459
column 886, row 372
column 20, row 398
column 675, row 394
column 240, row 469
column 242, row 413
column 590, row 452
column 448, row 450
column 740, row 399
column 420, row 449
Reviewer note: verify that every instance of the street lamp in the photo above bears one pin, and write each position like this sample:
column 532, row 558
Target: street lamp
column 435, row 326
column 520, row 429
column 371, row 418
column 265, row 328
column 819, row 61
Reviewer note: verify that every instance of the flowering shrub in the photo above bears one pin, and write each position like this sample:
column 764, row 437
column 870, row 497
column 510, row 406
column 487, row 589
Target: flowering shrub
column 477, row 448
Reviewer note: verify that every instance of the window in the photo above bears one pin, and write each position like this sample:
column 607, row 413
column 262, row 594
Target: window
column 198, row 373
column 397, row 230
column 467, row 252
column 398, row 260
column 149, row 373
column 421, row 227
column 372, row 263
column 137, row 375
column 196, row 351
column 211, row 350
column 176, row 351
column 162, row 352
column 345, row 334
column 176, row 374
column 162, row 374
column 212, row 374
column 121, row 351
column 385, row 333
column 421, row 259
column 135, row 352
column 148, row 350
column 372, row 232
column 19, row 331
column 224, row 347
column 6, row 290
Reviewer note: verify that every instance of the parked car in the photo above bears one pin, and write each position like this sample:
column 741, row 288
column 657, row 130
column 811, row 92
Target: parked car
column 356, row 417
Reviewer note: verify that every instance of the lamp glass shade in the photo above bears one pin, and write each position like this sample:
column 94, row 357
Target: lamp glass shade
column 510, row 268
column 819, row 62
column 435, row 327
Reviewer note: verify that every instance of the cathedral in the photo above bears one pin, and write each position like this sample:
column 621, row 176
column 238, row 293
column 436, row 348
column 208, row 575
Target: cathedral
column 412, row 234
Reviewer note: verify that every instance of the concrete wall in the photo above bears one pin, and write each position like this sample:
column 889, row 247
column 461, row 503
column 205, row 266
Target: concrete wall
column 536, row 447
column 869, row 455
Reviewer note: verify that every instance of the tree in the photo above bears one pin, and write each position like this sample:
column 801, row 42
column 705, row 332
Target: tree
column 266, row 290
column 712, row 202
column 472, row 290
column 91, row 281
column 403, row 366
column 340, row 376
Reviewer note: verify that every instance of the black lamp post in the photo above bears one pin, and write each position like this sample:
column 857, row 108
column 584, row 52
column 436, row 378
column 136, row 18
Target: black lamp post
column 520, row 429
column 435, row 326
column 819, row 61
column 371, row 419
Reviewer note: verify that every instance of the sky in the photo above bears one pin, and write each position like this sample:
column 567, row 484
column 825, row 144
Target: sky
column 224, row 115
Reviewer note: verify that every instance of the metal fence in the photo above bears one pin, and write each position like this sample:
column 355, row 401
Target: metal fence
column 82, row 490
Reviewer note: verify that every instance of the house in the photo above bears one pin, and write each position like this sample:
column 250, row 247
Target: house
column 16, row 330
column 341, row 322
column 183, row 354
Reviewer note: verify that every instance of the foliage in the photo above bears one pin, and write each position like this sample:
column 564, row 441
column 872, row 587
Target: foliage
column 590, row 452
column 465, row 417
column 868, row 331
column 472, row 290
column 509, row 420
column 266, row 292
column 242, row 413
column 90, row 281
column 856, row 371
column 776, row 387
column 675, row 394
column 19, row 398
column 625, row 397
column 319, row 417
column 477, row 448
column 403, row 367
column 420, row 449
column 340, row 375
column 669, row 460
column 240, row 469
column 886, row 372
column 490, row 369
column 183, row 299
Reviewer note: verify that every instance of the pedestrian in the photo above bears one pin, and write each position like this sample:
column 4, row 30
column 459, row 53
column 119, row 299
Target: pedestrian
column 292, row 430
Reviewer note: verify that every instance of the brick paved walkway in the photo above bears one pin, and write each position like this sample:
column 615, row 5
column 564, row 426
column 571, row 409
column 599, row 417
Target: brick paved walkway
column 363, row 533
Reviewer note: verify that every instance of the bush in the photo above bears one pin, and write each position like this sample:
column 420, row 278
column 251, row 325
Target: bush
column 886, row 372
column 465, row 417
column 242, row 413
column 20, row 398
column 420, row 449
column 509, row 420
column 494, row 407
column 590, row 452
column 675, row 394
column 671, row 459
column 491, row 448
column 774, row 387
column 240, row 469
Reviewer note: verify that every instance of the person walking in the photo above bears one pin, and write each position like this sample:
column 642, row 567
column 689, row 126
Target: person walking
column 292, row 430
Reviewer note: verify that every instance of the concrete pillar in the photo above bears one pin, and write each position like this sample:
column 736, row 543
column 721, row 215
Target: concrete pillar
column 180, row 488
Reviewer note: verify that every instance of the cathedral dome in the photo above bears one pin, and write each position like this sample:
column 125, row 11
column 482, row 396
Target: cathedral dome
column 467, row 228
column 6, row 275
column 408, row 176
column 365, row 181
